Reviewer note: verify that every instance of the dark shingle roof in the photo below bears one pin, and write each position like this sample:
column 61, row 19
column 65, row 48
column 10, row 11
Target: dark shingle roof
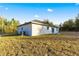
column 37, row 22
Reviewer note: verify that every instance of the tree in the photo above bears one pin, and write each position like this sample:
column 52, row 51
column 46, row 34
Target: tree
column 48, row 22
column 68, row 25
column 13, row 25
column 71, row 25
column 8, row 26
column 60, row 26
column 77, row 23
column 2, row 24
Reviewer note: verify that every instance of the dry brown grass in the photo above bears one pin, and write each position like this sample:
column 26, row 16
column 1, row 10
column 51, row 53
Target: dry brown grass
column 44, row 45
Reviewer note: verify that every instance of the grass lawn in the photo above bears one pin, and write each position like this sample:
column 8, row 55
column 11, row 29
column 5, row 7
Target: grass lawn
column 43, row 45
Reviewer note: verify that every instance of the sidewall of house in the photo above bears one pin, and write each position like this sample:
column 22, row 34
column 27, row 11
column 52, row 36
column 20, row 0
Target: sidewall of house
column 26, row 28
column 40, row 29
column 56, row 30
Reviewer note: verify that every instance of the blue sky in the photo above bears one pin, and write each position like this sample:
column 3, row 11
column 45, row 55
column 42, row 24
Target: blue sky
column 24, row 12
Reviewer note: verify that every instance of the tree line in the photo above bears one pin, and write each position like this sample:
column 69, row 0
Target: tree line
column 8, row 26
column 70, row 25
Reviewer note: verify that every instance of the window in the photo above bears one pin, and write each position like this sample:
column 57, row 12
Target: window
column 47, row 27
column 22, row 28
column 52, row 30
column 24, row 33
column 57, row 29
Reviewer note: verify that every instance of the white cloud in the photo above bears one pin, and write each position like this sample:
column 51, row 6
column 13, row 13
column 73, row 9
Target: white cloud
column 50, row 10
column 6, row 8
column 36, row 16
column 76, row 3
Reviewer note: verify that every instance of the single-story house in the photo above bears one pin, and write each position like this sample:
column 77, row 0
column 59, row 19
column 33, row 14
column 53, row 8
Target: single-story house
column 34, row 28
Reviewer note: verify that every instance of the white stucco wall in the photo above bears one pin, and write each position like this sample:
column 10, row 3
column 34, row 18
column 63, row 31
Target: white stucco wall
column 56, row 30
column 35, row 29
column 26, row 28
column 40, row 29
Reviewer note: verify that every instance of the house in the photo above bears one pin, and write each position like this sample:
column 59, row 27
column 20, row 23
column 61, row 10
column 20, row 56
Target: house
column 34, row 28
